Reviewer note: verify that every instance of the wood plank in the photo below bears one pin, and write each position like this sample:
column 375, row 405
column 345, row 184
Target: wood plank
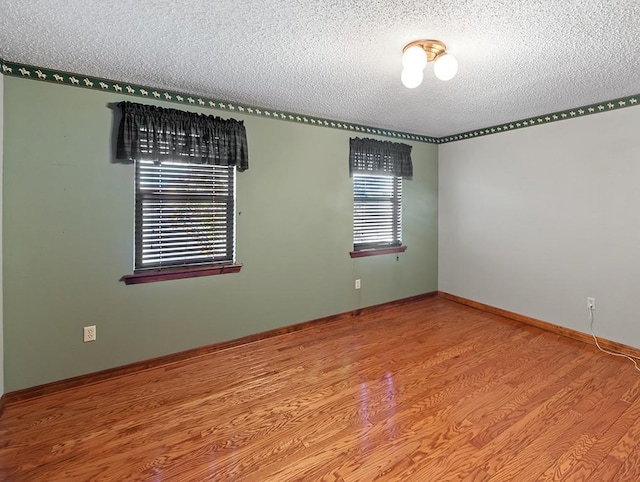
column 94, row 377
column 428, row 389
column 545, row 325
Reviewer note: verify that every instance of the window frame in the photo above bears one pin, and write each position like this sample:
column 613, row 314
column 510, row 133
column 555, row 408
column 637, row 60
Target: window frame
column 185, row 268
column 154, row 133
column 361, row 199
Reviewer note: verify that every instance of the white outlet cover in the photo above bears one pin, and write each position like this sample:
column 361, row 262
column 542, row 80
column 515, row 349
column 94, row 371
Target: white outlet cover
column 89, row 333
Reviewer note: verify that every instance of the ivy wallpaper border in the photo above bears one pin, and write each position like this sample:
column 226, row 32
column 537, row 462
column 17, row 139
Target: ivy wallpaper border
column 135, row 90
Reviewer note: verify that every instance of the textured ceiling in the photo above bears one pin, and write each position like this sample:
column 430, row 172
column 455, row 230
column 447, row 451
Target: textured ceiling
column 341, row 59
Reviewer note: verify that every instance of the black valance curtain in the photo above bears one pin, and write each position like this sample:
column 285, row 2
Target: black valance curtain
column 370, row 156
column 154, row 133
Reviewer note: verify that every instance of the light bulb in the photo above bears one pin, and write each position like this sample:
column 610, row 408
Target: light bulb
column 414, row 58
column 412, row 78
column 445, row 67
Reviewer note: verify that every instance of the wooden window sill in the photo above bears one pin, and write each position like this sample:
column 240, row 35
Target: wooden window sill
column 179, row 273
column 377, row 251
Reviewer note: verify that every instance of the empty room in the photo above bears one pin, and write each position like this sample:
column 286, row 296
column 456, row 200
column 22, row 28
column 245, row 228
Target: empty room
column 323, row 240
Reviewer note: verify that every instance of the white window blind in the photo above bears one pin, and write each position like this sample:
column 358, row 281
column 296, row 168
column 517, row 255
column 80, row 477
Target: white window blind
column 184, row 214
column 377, row 211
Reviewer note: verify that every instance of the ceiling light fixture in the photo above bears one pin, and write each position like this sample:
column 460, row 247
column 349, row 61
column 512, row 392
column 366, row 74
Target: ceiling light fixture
column 418, row 53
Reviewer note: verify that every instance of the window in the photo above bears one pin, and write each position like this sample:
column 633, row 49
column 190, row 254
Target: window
column 184, row 214
column 377, row 211
column 185, row 173
column 378, row 169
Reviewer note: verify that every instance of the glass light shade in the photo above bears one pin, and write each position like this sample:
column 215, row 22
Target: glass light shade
column 414, row 58
column 445, row 67
column 412, row 78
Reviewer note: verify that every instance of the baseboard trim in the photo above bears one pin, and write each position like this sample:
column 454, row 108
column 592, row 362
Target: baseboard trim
column 89, row 378
column 544, row 325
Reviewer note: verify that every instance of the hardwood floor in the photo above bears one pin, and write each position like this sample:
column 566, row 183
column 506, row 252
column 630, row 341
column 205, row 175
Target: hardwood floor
column 428, row 391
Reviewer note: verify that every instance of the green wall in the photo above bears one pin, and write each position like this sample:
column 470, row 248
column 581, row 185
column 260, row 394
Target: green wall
column 1, row 290
column 68, row 239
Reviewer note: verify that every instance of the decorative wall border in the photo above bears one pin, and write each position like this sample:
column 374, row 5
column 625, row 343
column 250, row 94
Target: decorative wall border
column 135, row 90
column 607, row 106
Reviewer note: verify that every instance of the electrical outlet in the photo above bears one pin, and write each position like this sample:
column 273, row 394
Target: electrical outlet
column 591, row 303
column 357, row 284
column 89, row 333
